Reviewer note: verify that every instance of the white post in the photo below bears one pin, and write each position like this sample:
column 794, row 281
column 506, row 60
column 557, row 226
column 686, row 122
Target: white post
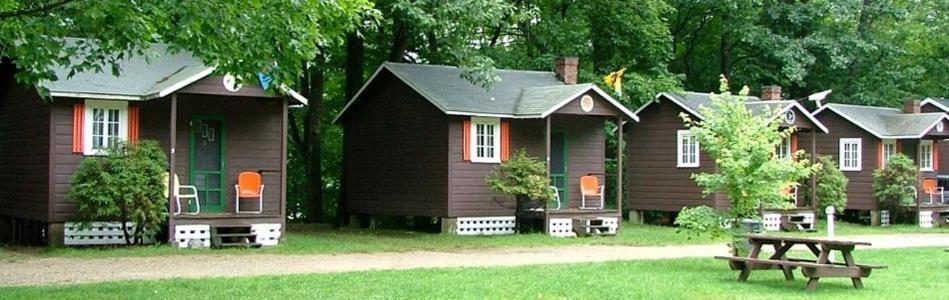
column 830, row 227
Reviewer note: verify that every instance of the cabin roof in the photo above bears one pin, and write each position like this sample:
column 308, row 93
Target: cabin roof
column 156, row 73
column 885, row 122
column 519, row 93
column 941, row 103
column 692, row 102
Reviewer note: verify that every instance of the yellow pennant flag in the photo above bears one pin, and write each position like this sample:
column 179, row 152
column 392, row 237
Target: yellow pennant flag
column 615, row 80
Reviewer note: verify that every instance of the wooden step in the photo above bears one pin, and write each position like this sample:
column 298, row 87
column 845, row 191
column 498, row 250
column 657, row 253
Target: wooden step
column 248, row 235
column 241, row 245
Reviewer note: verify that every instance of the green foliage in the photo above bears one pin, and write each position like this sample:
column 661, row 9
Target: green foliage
column 701, row 220
column 831, row 185
column 127, row 185
column 895, row 185
column 523, row 177
column 742, row 145
column 241, row 38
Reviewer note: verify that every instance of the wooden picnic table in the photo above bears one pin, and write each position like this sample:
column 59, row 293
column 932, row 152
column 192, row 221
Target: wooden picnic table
column 813, row 269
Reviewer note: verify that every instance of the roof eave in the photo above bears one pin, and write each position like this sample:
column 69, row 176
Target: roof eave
column 603, row 94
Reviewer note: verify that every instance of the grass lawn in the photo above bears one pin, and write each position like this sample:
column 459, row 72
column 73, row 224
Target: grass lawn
column 913, row 274
column 318, row 239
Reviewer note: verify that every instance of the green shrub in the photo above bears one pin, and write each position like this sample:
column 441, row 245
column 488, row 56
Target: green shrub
column 831, row 186
column 523, row 177
column 127, row 185
column 895, row 186
column 700, row 220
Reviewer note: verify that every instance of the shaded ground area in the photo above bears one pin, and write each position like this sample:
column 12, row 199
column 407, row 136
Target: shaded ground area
column 59, row 270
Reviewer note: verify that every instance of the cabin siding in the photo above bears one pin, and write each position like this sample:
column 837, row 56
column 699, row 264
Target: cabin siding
column 396, row 151
column 653, row 182
column 942, row 145
column 24, row 153
column 860, row 186
column 252, row 143
column 586, row 150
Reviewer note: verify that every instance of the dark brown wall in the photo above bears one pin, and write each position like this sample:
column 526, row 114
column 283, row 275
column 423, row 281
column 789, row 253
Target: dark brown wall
column 24, row 153
column 600, row 107
column 860, row 188
column 396, row 152
column 253, row 142
column 653, row 180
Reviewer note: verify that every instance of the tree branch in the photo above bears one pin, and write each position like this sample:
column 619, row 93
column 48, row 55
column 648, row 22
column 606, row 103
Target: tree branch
column 33, row 10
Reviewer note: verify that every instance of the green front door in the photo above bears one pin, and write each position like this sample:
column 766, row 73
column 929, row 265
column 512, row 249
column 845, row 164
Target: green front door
column 207, row 161
column 558, row 164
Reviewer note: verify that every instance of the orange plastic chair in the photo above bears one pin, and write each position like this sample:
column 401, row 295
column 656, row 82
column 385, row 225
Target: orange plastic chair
column 931, row 187
column 590, row 187
column 791, row 192
column 249, row 186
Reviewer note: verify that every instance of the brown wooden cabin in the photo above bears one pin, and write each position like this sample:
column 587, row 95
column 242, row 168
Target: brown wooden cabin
column 419, row 141
column 211, row 130
column 662, row 155
column 879, row 132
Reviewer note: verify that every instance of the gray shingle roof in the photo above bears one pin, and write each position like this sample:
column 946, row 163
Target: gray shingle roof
column 885, row 122
column 142, row 76
column 519, row 94
column 693, row 102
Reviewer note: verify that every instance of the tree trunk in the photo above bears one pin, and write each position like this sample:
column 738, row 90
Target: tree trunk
column 355, row 69
column 312, row 141
column 400, row 42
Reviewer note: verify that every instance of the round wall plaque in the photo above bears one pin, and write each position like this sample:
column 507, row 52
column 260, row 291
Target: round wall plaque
column 586, row 103
column 230, row 83
column 939, row 126
column 789, row 117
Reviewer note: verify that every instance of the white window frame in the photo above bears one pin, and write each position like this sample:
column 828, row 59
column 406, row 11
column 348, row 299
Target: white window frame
column 88, row 107
column 784, row 149
column 889, row 149
column 495, row 156
column 925, row 159
column 681, row 162
column 858, row 153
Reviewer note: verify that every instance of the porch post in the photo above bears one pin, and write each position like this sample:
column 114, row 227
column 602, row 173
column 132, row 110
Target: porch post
column 619, row 166
column 173, row 128
column 813, row 181
column 283, row 166
column 547, row 148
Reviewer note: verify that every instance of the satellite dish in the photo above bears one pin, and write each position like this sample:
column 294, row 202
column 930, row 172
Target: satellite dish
column 818, row 97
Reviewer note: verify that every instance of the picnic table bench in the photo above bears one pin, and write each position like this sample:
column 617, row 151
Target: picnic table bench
column 813, row 269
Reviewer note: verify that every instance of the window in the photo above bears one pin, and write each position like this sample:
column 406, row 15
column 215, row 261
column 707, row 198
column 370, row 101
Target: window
column 486, row 133
column 105, row 124
column 784, row 149
column 850, row 154
column 687, row 149
column 889, row 149
column 925, row 155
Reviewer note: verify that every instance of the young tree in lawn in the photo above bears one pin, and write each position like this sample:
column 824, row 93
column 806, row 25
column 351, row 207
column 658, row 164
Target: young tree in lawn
column 524, row 178
column 742, row 144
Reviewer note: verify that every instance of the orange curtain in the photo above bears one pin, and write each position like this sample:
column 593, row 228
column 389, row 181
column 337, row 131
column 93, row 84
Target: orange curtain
column 793, row 145
column 505, row 140
column 466, row 139
column 78, row 112
column 133, row 124
column 880, row 162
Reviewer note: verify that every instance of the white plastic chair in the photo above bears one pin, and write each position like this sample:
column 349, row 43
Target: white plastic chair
column 189, row 196
column 556, row 197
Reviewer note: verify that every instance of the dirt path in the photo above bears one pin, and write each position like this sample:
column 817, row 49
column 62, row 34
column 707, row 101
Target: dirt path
column 42, row 271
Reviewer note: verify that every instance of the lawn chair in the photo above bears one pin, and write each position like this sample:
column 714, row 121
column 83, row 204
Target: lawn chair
column 590, row 187
column 189, row 196
column 249, row 186
column 931, row 188
column 556, row 197
column 791, row 192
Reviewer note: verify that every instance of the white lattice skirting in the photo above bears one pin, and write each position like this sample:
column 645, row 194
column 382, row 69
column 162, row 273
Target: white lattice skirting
column 884, row 218
column 98, row 233
column 926, row 219
column 611, row 223
column 267, row 234
column 185, row 235
column 485, row 225
column 561, row 227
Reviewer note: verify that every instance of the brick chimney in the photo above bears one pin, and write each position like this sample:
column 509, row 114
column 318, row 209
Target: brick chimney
column 911, row 106
column 566, row 69
column 771, row 92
